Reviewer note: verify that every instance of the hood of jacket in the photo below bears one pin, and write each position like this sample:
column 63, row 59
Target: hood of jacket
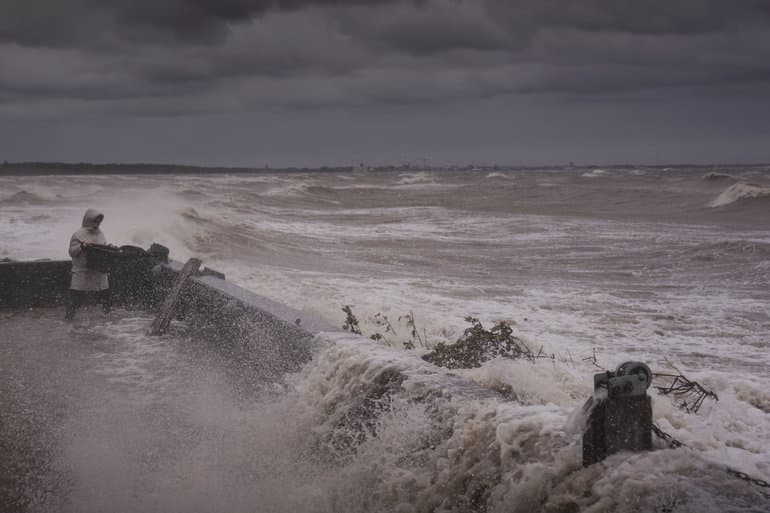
column 90, row 219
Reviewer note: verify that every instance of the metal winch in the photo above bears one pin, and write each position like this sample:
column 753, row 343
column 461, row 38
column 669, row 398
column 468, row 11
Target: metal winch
column 619, row 414
column 630, row 379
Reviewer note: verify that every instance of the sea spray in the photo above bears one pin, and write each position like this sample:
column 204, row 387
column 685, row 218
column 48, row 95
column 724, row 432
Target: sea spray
column 636, row 267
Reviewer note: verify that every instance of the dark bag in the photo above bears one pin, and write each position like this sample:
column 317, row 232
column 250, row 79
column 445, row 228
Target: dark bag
column 106, row 258
column 101, row 258
column 158, row 252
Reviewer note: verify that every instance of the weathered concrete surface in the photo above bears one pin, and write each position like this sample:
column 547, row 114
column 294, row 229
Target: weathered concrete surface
column 275, row 338
column 45, row 283
column 33, row 284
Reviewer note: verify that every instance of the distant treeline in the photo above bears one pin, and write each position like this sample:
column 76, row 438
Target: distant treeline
column 61, row 168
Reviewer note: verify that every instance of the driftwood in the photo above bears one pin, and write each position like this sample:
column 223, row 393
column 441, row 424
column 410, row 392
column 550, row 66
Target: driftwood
column 689, row 395
column 163, row 319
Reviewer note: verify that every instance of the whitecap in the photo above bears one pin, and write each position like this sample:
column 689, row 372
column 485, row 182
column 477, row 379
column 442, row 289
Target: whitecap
column 413, row 178
column 594, row 173
column 740, row 191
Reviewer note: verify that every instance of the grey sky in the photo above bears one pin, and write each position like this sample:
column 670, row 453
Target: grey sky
column 318, row 82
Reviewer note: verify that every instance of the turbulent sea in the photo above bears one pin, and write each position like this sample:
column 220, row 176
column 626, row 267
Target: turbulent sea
column 666, row 266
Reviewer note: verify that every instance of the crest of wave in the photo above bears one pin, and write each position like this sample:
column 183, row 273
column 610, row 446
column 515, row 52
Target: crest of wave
column 595, row 173
column 23, row 197
column 289, row 189
column 739, row 191
column 412, row 178
column 498, row 174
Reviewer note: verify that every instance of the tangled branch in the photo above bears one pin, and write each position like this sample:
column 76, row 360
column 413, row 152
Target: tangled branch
column 688, row 395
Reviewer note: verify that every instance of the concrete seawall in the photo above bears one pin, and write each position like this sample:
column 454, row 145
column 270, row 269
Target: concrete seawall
column 275, row 337
column 272, row 338
column 33, row 284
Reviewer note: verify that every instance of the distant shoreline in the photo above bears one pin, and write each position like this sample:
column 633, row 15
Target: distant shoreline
column 60, row 168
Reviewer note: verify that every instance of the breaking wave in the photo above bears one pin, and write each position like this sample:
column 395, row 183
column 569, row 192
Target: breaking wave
column 190, row 213
column 413, row 178
column 23, row 198
column 713, row 175
column 417, row 441
column 594, row 173
column 498, row 174
column 741, row 191
column 302, row 189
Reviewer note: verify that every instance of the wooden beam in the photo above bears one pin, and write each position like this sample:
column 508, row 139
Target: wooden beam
column 163, row 319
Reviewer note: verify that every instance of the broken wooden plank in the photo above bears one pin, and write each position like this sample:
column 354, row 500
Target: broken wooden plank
column 163, row 319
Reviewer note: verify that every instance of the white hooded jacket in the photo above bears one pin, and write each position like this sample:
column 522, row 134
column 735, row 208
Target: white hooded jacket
column 84, row 278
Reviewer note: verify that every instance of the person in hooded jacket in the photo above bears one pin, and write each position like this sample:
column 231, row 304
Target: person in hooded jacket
column 87, row 281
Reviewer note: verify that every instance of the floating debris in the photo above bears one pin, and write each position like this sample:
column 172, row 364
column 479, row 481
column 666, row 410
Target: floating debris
column 688, row 395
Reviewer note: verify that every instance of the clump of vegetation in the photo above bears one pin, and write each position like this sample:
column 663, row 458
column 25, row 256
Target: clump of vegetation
column 351, row 321
column 382, row 320
column 478, row 345
column 414, row 332
column 352, row 325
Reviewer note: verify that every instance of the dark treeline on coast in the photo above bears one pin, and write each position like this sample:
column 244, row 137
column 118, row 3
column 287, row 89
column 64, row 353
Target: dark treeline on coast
column 62, row 168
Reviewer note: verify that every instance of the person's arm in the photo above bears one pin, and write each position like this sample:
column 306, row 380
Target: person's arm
column 76, row 246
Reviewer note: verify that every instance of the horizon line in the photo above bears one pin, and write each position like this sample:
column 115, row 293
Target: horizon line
column 406, row 165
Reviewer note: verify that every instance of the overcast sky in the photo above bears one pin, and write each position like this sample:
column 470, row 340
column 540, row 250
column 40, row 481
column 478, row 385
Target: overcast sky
column 322, row 82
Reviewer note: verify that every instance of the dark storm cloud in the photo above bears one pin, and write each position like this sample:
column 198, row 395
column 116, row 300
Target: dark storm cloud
column 308, row 53
column 75, row 22
column 438, row 27
column 632, row 16
column 199, row 19
column 193, row 18
column 85, row 22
